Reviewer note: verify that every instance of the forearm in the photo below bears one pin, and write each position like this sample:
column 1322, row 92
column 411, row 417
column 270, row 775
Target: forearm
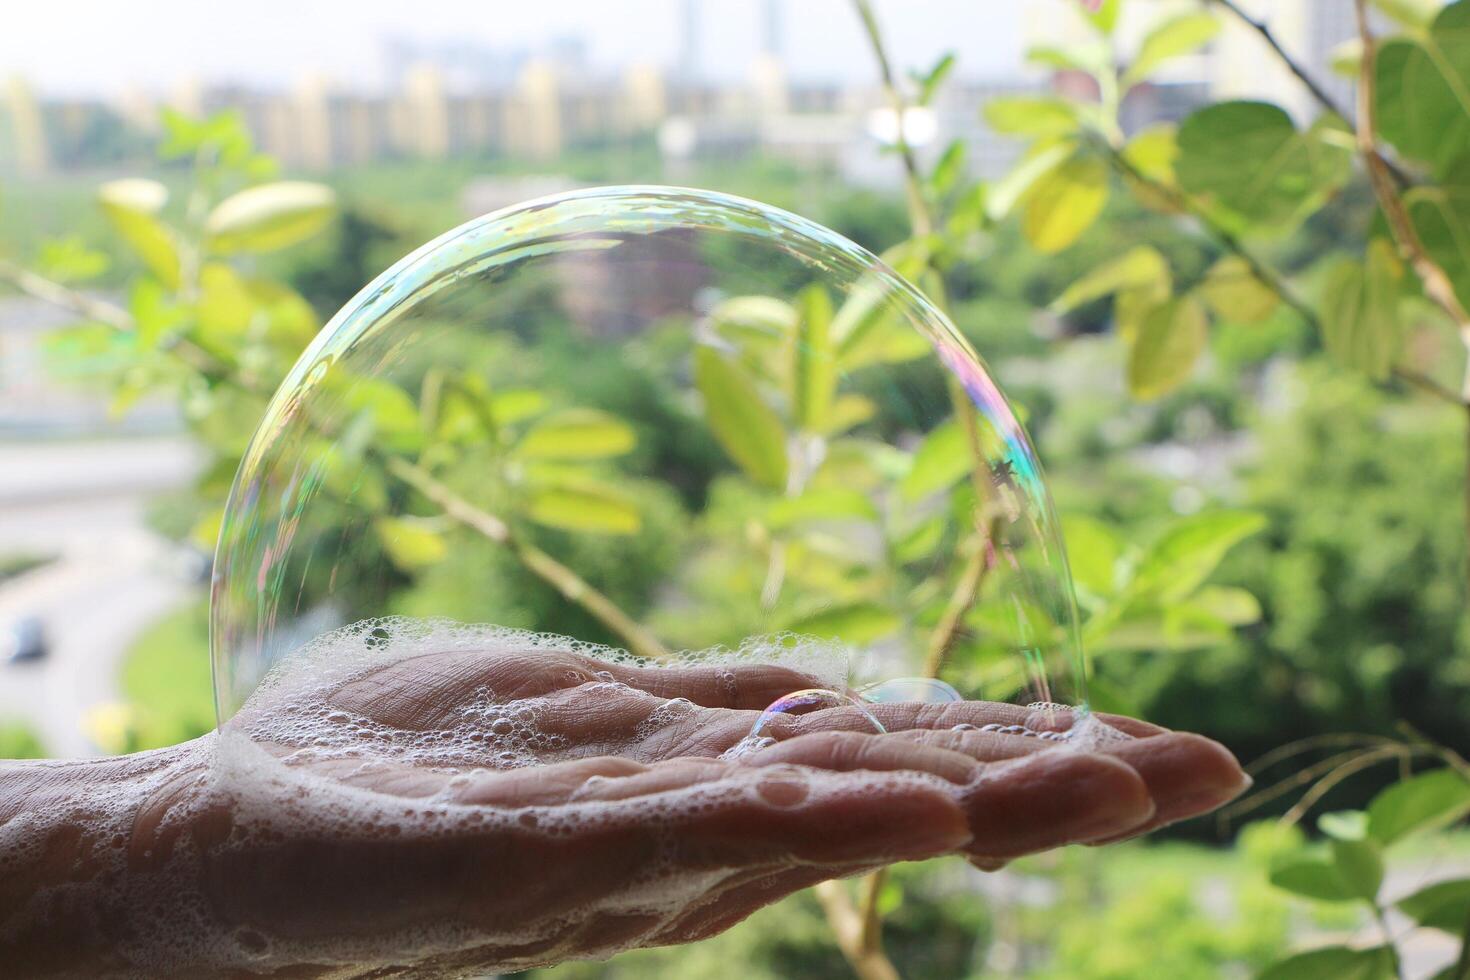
column 78, row 870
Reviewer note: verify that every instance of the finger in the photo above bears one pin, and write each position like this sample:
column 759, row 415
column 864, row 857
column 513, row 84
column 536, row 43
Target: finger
column 550, row 785
column 750, row 686
column 979, row 746
column 852, row 751
column 1186, row 775
column 1047, row 799
column 784, row 815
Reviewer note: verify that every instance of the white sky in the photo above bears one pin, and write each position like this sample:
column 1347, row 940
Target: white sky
column 100, row 47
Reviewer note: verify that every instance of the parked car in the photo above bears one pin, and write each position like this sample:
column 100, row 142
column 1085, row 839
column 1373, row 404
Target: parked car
column 22, row 639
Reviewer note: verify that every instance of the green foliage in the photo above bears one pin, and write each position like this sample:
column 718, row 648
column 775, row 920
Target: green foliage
column 165, row 678
column 18, row 741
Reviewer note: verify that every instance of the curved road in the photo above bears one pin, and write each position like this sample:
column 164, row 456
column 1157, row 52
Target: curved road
column 84, row 500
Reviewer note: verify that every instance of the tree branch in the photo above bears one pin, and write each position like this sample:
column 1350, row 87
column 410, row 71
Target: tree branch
column 1264, row 30
column 1318, row 93
column 114, row 316
column 639, row 639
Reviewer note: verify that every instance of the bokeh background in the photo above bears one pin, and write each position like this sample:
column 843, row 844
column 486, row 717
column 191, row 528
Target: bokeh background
column 1336, row 604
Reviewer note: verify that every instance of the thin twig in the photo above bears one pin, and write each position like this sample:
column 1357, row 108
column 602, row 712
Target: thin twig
column 1426, row 384
column 919, row 216
column 1223, row 236
column 1264, row 30
column 1324, row 99
column 1283, row 752
column 847, row 929
column 1326, row 783
column 640, row 640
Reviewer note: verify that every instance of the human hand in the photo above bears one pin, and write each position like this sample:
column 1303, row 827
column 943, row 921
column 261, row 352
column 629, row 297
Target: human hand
column 631, row 830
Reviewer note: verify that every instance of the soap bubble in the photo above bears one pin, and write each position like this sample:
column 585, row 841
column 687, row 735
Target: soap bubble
column 929, row 690
column 660, row 420
column 805, row 702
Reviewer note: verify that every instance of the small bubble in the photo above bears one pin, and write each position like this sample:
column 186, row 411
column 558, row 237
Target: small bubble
column 810, row 701
column 927, row 690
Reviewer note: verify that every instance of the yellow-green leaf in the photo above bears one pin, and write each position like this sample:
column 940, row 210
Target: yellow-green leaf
column 131, row 206
column 516, row 405
column 1141, row 267
column 1360, row 324
column 814, row 373
column 1177, row 36
column 1093, row 550
column 269, row 216
column 1169, row 341
column 584, row 508
column 942, row 460
column 1234, row 293
column 848, row 411
column 577, row 433
column 822, row 504
column 410, row 544
column 1028, row 115
column 859, row 622
column 1423, row 802
column 1064, row 202
column 743, row 424
column 1039, row 161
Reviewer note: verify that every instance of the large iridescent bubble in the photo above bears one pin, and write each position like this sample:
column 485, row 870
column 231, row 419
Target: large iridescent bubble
column 660, row 420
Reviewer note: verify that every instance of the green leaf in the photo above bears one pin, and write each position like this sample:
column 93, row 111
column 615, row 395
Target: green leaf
column 942, row 460
column 814, row 374
column 1141, row 267
column 858, row 622
column 760, row 318
column 743, row 424
column 1344, row 824
column 1103, row 15
column 919, row 541
column 1169, row 341
column 1413, row 15
column 1311, row 874
column 1234, row 293
column 131, row 207
column 516, row 405
column 1011, row 189
column 848, row 411
column 949, row 168
column 1178, row 36
column 1093, row 550
column 387, row 409
column 1185, row 555
column 1335, row 963
column 1092, row 59
column 1445, row 905
column 1248, row 161
column 1424, row 802
column 1230, row 605
column 577, row 433
column 1360, row 323
column 583, row 508
column 1153, row 150
column 931, row 80
column 1064, row 202
column 1030, row 115
column 1360, row 865
column 1422, row 89
column 269, row 217
column 70, row 259
column 410, row 544
column 822, row 504
column 1440, row 214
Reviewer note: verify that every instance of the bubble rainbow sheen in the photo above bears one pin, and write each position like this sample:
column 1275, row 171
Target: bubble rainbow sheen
column 779, row 402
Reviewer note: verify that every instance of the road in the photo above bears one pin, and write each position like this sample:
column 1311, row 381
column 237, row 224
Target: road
column 84, row 501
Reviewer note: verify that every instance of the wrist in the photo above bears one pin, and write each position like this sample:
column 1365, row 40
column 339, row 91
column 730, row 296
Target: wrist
column 80, row 856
